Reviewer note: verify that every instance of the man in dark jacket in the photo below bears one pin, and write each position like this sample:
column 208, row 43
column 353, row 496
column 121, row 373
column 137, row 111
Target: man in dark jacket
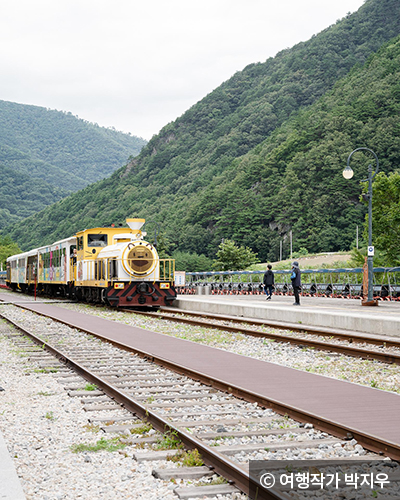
column 296, row 282
column 269, row 282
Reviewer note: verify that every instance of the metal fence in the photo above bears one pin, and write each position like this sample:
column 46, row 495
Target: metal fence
column 346, row 283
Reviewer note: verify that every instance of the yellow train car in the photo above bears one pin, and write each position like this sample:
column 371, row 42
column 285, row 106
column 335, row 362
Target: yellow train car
column 111, row 265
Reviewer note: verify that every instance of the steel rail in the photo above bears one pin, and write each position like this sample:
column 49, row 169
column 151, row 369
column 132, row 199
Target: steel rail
column 370, row 442
column 225, row 467
column 359, row 352
column 351, row 336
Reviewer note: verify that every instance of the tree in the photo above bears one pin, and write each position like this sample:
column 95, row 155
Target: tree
column 386, row 216
column 191, row 262
column 7, row 248
column 230, row 257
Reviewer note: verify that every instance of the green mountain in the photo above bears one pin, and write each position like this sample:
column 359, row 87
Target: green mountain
column 262, row 155
column 46, row 154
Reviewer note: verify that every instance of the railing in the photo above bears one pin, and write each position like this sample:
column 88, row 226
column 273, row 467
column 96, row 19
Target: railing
column 322, row 282
column 106, row 270
column 167, row 270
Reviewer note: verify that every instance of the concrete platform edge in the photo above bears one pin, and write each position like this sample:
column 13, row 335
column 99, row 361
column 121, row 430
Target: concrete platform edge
column 10, row 486
column 360, row 322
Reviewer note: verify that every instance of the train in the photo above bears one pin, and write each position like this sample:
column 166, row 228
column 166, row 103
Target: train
column 109, row 265
column 3, row 275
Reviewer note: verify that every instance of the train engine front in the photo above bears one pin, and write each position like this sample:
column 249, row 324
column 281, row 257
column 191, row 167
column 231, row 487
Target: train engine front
column 127, row 270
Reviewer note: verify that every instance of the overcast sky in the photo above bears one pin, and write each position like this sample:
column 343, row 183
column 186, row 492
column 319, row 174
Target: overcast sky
column 138, row 65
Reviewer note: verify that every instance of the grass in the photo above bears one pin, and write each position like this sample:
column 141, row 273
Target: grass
column 92, row 428
column 20, row 352
column 284, row 422
column 143, row 429
column 102, row 444
column 90, row 387
column 50, row 416
column 221, row 438
column 214, row 482
column 46, row 370
column 190, row 458
column 169, row 441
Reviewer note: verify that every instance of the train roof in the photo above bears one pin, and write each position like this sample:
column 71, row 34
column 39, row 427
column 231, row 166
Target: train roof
column 71, row 239
column 22, row 255
column 34, row 251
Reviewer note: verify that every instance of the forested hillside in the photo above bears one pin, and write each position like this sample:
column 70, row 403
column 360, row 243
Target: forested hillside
column 263, row 153
column 47, row 154
column 293, row 181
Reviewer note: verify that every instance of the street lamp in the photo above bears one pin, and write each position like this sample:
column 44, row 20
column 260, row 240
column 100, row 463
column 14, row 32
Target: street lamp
column 348, row 174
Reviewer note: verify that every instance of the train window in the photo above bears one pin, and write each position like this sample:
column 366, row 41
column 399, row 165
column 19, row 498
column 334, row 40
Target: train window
column 97, row 240
column 46, row 260
column 80, row 243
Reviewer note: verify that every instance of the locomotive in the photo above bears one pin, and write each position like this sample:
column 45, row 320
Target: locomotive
column 110, row 265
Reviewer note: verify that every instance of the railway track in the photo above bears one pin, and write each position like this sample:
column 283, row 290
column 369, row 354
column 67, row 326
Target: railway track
column 367, row 346
column 355, row 344
column 188, row 414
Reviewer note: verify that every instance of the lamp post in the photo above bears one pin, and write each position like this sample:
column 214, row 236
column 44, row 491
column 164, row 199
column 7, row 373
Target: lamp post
column 348, row 174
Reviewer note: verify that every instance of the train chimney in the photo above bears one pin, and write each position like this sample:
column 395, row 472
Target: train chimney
column 135, row 224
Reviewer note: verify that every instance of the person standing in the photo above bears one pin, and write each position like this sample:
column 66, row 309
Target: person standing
column 296, row 282
column 269, row 281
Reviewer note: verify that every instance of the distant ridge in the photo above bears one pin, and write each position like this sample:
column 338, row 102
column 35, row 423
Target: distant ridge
column 55, row 151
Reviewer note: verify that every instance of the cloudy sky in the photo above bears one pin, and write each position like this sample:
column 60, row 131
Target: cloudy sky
column 137, row 65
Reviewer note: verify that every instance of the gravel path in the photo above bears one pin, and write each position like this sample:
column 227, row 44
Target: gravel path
column 40, row 423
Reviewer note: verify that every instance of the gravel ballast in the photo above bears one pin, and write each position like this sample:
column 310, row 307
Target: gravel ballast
column 41, row 424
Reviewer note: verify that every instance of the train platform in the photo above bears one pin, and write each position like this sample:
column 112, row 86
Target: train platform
column 10, row 486
column 362, row 411
column 324, row 312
